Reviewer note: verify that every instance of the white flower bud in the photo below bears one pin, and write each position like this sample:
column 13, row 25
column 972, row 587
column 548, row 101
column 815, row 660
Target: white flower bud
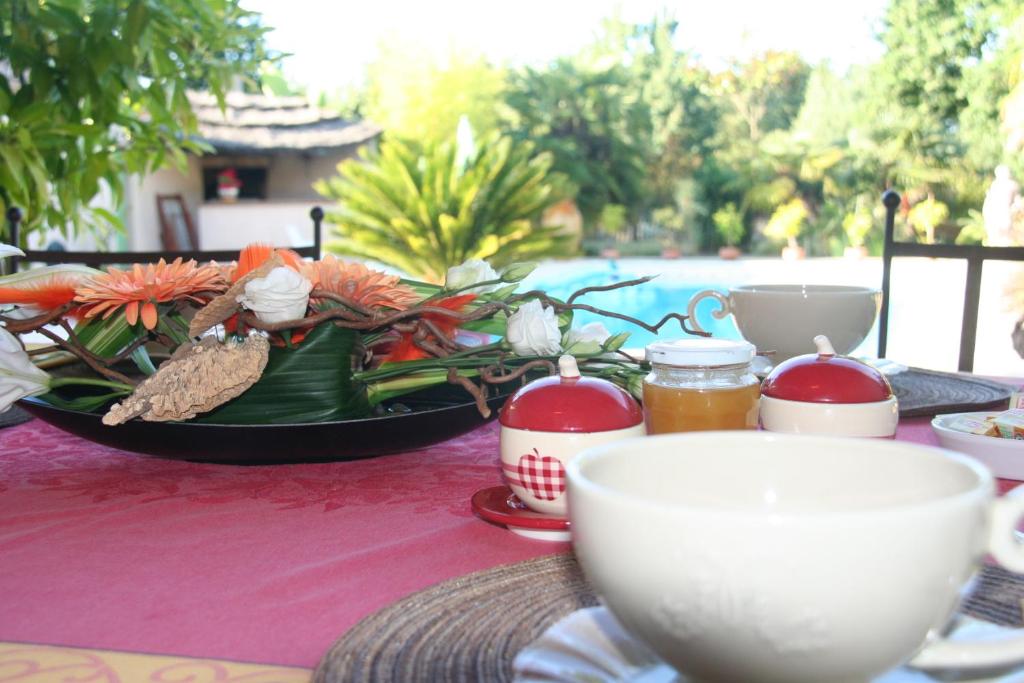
column 469, row 273
column 533, row 330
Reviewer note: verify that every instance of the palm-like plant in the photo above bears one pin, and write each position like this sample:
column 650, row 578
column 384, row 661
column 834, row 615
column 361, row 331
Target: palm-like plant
column 425, row 207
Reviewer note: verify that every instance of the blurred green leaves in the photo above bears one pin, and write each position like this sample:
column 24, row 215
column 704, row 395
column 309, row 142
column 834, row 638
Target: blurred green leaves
column 426, row 206
column 94, row 90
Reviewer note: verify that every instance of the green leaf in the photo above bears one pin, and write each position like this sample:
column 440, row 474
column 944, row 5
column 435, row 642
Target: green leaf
column 108, row 337
column 615, row 342
column 309, row 383
column 86, row 404
column 142, row 360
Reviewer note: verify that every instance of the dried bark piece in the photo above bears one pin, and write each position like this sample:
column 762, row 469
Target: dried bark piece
column 226, row 305
column 194, row 381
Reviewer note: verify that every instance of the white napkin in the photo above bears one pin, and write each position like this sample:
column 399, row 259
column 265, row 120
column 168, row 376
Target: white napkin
column 591, row 646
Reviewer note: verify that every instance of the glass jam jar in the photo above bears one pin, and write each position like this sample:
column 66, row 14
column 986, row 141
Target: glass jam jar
column 700, row 384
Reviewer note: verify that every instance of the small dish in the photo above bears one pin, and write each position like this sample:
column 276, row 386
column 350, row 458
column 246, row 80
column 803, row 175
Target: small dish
column 499, row 505
column 1005, row 457
column 591, row 645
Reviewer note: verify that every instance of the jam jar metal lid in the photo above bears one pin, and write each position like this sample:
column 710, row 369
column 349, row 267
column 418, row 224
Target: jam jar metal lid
column 568, row 402
column 825, row 377
column 700, row 352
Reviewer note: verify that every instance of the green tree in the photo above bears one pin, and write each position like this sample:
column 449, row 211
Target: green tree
column 424, row 206
column 91, row 91
column 926, row 216
column 676, row 89
column 417, row 94
column 589, row 119
column 787, row 222
column 729, row 223
column 858, row 223
column 765, row 92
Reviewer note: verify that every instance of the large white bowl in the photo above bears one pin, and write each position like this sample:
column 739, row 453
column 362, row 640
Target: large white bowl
column 1005, row 457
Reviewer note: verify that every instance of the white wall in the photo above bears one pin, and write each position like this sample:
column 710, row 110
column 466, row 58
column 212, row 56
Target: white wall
column 292, row 176
column 141, row 217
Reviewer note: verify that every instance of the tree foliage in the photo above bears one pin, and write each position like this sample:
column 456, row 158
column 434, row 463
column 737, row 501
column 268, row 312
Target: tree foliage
column 426, row 206
column 585, row 116
column 416, row 94
column 93, row 90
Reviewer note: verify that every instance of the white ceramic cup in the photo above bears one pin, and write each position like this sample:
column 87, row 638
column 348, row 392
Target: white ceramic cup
column 745, row 556
column 786, row 318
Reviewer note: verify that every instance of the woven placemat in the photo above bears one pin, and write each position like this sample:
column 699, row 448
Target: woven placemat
column 471, row 628
column 13, row 416
column 927, row 392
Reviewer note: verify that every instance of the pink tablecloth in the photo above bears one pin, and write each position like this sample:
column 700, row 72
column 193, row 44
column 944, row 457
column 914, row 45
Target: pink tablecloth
column 105, row 549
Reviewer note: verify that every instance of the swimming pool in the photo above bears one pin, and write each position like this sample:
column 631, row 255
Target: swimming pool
column 647, row 302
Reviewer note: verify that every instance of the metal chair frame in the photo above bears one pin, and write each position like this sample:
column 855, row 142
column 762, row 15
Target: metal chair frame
column 100, row 258
column 974, row 255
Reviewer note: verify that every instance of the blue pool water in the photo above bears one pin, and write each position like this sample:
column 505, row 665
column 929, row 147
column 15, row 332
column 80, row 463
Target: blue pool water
column 647, row 302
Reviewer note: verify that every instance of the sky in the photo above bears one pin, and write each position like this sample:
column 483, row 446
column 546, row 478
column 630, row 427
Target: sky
column 331, row 42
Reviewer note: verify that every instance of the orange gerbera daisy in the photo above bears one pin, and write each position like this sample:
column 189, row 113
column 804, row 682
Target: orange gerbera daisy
column 359, row 284
column 405, row 348
column 141, row 288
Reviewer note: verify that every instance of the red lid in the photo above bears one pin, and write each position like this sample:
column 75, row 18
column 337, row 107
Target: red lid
column 826, row 378
column 570, row 403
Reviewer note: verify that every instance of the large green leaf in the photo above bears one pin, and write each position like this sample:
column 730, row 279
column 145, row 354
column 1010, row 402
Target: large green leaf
column 311, row 382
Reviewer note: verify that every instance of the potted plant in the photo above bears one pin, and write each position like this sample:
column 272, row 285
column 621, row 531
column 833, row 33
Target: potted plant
column 728, row 222
column 672, row 223
column 926, row 216
column 228, row 185
column 857, row 225
column 787, row 223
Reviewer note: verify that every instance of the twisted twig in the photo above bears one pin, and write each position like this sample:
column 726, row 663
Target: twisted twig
column 87, row 358
column 16, row 326
column 489, row 376
column 560, row 306
column 479, row 394
column 607, row 288
column 344, row 301
column 340, row 316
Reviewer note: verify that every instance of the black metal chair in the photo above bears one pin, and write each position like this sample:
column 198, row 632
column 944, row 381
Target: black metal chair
column 973, row 254
column 101, row 258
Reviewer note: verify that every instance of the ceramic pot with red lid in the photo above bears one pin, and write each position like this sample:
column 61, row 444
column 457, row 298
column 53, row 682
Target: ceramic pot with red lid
column 547, row 422
column 824, row 393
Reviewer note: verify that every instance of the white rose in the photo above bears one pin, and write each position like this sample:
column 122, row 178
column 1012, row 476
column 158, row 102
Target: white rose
column 533, row 330
column 281, row 295
column 469, row 273
column 18, row 376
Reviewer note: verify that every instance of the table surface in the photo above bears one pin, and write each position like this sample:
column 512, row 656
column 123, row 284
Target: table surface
column 114, row 551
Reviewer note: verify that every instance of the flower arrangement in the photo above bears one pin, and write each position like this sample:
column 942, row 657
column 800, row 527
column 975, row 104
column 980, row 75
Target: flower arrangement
column 272, row 338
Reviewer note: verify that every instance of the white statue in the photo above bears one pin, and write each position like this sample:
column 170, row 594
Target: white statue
column 1002, row 203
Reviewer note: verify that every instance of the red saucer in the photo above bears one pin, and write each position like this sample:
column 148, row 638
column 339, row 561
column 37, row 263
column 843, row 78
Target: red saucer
column 499, row 505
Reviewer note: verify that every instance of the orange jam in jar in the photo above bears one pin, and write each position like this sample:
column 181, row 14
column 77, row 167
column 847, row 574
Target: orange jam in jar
column 700, row 384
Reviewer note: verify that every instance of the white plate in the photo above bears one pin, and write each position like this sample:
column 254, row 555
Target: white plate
column 1005, row 457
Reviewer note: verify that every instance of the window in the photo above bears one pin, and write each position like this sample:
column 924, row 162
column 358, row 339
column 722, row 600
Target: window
column 253, row 179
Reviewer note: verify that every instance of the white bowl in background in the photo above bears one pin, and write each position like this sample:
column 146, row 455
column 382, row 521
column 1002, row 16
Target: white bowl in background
column 1005, row 457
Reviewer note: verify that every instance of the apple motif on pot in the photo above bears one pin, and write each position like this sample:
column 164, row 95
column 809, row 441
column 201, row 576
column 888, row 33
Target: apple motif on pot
column 547, row 422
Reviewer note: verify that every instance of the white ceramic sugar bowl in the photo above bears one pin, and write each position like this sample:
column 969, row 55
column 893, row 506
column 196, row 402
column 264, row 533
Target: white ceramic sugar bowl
column 549, row 421
column 824, row 393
